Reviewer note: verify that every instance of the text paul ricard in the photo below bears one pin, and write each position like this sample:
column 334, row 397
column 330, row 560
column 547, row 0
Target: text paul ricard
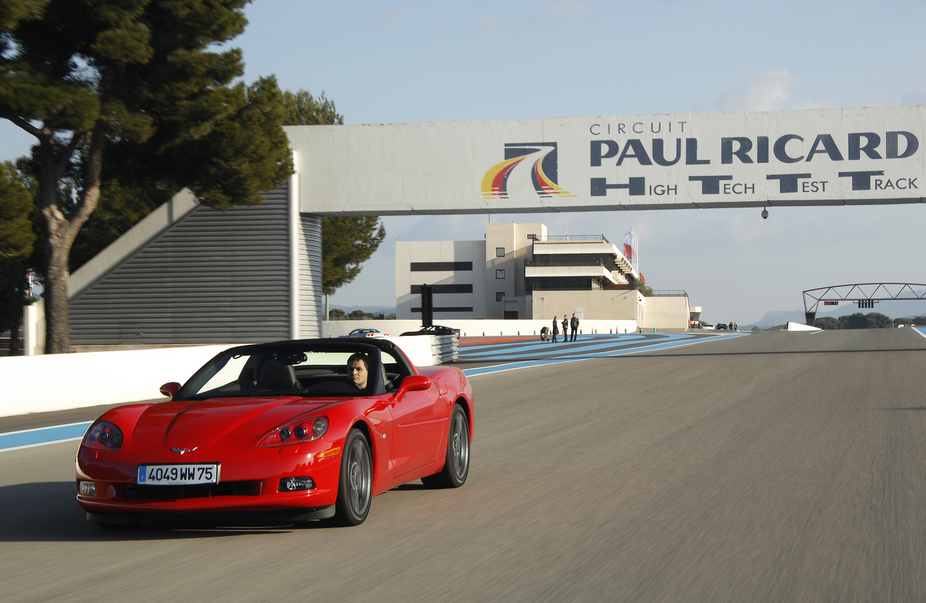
column 788, row 163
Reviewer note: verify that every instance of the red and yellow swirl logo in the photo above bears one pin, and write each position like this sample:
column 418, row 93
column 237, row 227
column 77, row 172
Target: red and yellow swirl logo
column 542, row 173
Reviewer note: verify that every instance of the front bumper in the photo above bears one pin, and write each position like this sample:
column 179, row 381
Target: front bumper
column 248, row 483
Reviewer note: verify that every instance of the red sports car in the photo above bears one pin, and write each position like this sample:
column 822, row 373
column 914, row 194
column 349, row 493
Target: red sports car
column 293, row 430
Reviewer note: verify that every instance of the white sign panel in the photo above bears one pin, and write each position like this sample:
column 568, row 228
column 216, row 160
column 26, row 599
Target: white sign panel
column 811, row 157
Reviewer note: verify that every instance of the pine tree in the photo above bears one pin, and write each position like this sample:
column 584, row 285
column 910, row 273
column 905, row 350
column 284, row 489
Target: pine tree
column 99, row 81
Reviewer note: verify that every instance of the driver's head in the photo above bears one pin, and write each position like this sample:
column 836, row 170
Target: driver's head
column 358, row 369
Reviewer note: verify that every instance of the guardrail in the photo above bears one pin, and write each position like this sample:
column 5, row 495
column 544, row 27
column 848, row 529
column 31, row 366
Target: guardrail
column 444, row 347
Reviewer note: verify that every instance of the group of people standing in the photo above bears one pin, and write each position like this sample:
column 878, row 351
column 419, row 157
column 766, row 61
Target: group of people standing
column 567, row 323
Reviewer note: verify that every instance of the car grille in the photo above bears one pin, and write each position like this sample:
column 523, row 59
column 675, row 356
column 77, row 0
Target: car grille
column 190, row 490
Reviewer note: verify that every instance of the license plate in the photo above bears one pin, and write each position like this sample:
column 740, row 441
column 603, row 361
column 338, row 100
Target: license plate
column 178, row 474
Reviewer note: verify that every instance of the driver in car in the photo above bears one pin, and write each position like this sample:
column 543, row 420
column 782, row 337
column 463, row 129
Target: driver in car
column 358, row 369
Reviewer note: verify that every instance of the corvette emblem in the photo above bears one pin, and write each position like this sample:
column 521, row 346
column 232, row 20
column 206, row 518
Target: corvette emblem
column 182, row 451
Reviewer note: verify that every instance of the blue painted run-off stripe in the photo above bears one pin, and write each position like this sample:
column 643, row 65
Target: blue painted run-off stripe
column 603, row 354
column 45, row 435
column 60, row 433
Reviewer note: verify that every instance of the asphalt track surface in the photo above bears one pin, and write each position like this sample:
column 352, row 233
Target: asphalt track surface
column 766, row 467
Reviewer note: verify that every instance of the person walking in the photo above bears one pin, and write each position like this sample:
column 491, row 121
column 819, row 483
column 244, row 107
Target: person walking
column 555, row 329
column 574, row 325
column 565, row 328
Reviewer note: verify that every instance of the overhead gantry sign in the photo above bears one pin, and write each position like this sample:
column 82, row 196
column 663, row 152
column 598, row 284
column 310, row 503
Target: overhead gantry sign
column 762, row 159
column 866, row 295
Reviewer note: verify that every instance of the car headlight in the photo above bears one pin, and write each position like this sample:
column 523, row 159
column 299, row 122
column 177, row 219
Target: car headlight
column 103, row 435
column 296, row 432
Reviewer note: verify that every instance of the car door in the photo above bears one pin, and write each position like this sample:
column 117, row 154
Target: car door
column 418, row 422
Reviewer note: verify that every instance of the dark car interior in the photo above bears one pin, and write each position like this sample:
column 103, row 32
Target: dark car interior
column 289, row 369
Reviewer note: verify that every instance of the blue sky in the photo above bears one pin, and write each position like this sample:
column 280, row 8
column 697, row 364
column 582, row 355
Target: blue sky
column 393, row 62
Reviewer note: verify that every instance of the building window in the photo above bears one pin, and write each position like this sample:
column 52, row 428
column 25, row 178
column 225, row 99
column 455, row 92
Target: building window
column 499, row 252
column 458, row 309
column 500, row 274
column 499, row 296
column 441, row 266
column 455, row 288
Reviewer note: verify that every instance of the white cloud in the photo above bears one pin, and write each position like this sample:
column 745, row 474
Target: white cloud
column 393, row 16
column 770, row 91
column 488, row 25
column 565, row 11
column 560, row 11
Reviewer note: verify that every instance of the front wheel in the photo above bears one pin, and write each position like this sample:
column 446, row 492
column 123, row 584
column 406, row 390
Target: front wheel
column 456, row 465
column 355, row 484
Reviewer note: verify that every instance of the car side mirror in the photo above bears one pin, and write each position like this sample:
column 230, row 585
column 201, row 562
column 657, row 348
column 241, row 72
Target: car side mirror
column 170, row 389
column 412, row 383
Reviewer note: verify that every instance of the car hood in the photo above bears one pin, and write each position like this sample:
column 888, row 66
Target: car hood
column 223, row 416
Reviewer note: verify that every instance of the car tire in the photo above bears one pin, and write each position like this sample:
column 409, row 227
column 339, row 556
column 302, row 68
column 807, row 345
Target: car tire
column 456, row 463
column 355, row 482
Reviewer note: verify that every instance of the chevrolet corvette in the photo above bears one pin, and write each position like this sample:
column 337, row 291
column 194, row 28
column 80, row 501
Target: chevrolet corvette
column 293, row 430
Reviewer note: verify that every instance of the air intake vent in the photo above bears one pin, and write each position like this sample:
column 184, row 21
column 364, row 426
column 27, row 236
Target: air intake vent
column 190, row 491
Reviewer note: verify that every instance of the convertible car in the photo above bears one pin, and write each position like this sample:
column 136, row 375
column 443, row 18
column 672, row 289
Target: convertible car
column 293, row 430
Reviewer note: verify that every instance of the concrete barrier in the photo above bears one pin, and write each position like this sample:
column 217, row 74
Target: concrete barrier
column 797, row 326
column 479, row 327
column 64, row 381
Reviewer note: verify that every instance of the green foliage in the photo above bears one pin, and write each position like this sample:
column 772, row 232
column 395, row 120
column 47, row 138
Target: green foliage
column 872, row 320
column 16, row 236
column 876, row 320
column 827, row 323
column 853, row 321
column 136, row 86
column 338, row 314
column 139, row 179
column 346, row 243
column 16, row 243
column 14, row 11
column 234, row 156
column 303, row 109
column 12, row 293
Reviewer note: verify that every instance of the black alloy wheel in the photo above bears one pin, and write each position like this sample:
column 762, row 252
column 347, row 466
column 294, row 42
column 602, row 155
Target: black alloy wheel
column 456, row 464
column 355, row 484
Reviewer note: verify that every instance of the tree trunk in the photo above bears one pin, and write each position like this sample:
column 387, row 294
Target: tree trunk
column 62, row 231
column 57, row 309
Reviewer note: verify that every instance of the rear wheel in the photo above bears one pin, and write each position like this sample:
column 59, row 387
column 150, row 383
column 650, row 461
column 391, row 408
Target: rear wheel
column 456, row 464
column 355, row 483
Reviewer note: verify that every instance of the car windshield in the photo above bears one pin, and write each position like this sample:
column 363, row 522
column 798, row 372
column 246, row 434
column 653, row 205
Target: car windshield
column 306, row 371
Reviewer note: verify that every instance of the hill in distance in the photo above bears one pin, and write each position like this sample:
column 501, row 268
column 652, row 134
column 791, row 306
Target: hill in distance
column 890, row 308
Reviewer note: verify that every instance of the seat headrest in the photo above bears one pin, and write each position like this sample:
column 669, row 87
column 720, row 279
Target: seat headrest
column 274, row 375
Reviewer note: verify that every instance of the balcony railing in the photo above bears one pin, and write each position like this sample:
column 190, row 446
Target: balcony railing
column 551, row 261
column 572, row 238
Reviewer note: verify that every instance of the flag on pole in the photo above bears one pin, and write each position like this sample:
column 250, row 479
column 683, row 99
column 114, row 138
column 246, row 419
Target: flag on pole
column 628, row 245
